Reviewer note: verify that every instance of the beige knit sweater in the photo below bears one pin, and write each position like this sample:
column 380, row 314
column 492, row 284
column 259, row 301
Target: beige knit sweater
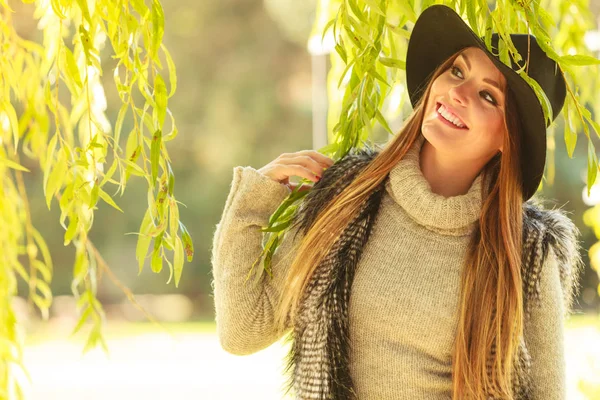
column 404, row 305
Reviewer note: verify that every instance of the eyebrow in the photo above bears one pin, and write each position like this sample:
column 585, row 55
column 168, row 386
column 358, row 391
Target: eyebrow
column 491, row 82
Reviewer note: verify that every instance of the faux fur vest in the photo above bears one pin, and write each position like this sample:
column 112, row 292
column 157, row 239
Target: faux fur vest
column 319, row 356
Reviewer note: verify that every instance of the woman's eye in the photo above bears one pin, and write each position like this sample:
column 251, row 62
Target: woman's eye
column 486, row 94
column 455, row 68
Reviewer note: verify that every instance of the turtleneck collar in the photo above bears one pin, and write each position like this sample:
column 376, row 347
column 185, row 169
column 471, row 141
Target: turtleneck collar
column 453, row 215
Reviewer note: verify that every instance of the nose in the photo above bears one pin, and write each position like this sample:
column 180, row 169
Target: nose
column 458, row 94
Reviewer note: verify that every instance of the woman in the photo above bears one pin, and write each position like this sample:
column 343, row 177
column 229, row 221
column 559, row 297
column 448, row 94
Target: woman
column 463, row 285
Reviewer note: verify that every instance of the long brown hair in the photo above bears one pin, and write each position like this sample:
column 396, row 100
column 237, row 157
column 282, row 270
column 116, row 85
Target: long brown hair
column 491, row 316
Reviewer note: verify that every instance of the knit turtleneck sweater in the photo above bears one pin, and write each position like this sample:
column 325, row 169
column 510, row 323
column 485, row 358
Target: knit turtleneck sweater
column 447, row 215
column 404, row 303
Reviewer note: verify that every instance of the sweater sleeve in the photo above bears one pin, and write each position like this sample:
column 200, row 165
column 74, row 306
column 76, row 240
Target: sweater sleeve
column 244, row 309
column 544, row 335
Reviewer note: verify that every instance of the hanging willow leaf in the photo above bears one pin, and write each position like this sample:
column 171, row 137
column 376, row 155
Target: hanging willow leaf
column 56, row 177
column 579, row 60
column 155, row 153
column 160, row 91
column 172, row 70
column 11, row 114
column 393, row 63
column 158, row 28
column 472, row 15
column 375, row 7
column 592, row 166
column 178, row 260
column 541, row 95
column 187, row 242
column 406, row 9
column 11, row 164
column 106, row 197
column 570, row 134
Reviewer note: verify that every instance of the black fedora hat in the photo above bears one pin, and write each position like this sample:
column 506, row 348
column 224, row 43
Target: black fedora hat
column 439, row 32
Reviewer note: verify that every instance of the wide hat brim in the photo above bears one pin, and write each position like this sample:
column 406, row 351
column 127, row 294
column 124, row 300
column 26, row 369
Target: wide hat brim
column 439, row 32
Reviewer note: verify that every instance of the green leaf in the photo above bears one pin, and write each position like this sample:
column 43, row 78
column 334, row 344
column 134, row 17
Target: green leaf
column 383, row 122
column 106, row 197
column 160, row 92
column 580, row 60
column 144, row 240
column 173, row 218
column 178, row 260
column 72, row 229
column 155, row 153
column 171, row 179
column 488, row 31
column 472, row 16
column 168, row 245
column 41, row 243
column 357, row 11
column 13, row 121
column 94, row 196
column 132, row 145
column 111, row 171
column 407, row 10
column 84, row 10
column 11, row 164
column 399, row 31
column 342, row 52
column 57, row 177
column 393, row 63
column 375, row 7
column 327, row 26
column 187, row 242
column 172, row 70
column 278, row 227
column 380, row 78
column 72, row 69
column 570, row 134
column 595, row 125
column 546, row 17
column 158, row 28
column 156, row 262
column 57, row 8
column 592, row 166
column 140, row 7
column 43, row 269
column 49, row 159
column 541, row 95
column 92, row 341
column 84, row 317
column 119, row 125
column 133, row 168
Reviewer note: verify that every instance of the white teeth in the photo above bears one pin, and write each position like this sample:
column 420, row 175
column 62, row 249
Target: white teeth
column 449, row 117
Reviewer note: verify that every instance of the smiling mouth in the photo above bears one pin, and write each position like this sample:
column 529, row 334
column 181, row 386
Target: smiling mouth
column 449, row 118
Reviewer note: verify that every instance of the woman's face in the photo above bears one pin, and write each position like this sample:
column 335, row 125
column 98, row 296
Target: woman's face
column 470, row 95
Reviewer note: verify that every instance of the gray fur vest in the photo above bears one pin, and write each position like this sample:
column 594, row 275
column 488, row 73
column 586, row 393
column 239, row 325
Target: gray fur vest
column 319, row 355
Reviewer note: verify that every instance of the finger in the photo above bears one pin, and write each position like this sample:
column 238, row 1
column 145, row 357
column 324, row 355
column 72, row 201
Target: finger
column 297, row 170
column 309, row 163
column 323, row 159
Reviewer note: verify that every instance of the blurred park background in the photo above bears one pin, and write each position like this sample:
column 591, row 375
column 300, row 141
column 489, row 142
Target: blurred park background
column 245, row 95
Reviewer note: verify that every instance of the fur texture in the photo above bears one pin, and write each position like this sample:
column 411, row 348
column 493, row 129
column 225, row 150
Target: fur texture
column 318, row 362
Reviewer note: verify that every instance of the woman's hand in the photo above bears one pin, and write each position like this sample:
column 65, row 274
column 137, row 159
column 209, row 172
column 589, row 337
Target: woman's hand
column 308, row 164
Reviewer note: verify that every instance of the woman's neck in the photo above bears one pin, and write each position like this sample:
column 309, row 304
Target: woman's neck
column 454, row 215
column 446, row 176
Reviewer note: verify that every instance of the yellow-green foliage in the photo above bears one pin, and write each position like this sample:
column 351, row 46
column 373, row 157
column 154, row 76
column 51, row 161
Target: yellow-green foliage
column 52, row 110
